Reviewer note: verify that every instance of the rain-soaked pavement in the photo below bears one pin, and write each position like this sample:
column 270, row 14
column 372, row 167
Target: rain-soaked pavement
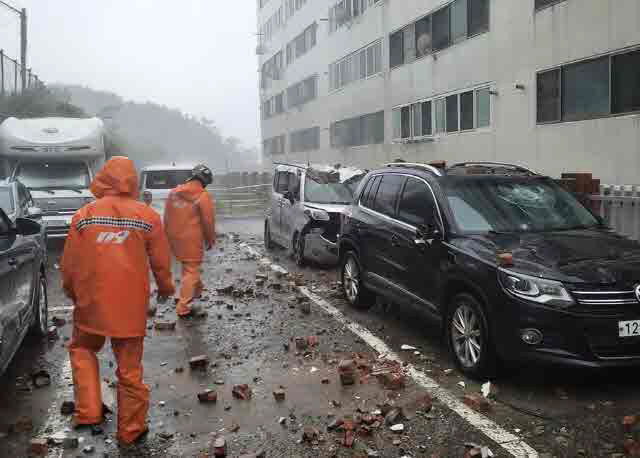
column 558, row 412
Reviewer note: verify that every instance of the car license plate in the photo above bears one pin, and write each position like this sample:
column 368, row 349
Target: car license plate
column 629, row 328
column 57, row 223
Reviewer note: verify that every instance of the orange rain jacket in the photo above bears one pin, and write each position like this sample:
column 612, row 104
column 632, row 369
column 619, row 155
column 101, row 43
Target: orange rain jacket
column 189, row 217
column 111, row 244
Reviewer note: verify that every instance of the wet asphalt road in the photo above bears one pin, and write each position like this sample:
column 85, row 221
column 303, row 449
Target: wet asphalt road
column 564, row 413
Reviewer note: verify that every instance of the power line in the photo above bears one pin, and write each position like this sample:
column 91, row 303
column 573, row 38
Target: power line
column 12, row 8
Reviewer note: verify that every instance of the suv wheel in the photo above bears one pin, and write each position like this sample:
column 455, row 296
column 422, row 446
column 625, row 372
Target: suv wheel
column 468, row 337
column 298, row 250
column 268, row 243
column 352, row 286
column 40, row 308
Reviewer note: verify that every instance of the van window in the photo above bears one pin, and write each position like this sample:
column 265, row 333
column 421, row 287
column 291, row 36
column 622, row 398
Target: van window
column 282, row 182
column 166, row 179
column 6, row 200
column 387, row 194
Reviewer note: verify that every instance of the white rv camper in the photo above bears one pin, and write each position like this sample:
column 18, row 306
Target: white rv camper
column 55, row 158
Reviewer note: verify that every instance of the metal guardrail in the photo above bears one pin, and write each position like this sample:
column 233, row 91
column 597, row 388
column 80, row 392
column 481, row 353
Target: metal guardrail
column 620, row 208
column 242, row 200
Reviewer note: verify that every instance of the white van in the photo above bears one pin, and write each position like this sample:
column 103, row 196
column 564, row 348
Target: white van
column 158, row 180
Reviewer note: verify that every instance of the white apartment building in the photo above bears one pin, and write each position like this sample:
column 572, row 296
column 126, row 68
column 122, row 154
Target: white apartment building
column 551, row 84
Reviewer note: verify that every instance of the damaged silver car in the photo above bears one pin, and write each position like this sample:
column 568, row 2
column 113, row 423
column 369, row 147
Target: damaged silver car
column 307, row 204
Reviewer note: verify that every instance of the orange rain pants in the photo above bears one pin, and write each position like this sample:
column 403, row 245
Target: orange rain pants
column 190, row 287
column 133, row 394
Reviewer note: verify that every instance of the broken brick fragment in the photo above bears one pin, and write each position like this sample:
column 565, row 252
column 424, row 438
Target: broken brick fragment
column 477, row 403
column 242, row 392
column 279, row 395
column 39, row 447
column 629, row 422
column 208, row 396
column 199, row 362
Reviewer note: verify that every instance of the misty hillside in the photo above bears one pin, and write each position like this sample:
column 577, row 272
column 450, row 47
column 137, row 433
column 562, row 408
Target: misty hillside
column 150, row 133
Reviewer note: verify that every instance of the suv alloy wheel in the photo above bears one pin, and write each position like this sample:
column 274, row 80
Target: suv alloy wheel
column 354, row 291
column 468, row 337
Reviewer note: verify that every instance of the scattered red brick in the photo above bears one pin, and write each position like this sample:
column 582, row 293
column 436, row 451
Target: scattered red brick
column 242, row 392
column 477, row 403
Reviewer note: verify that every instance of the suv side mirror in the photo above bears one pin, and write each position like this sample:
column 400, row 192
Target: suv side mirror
column 427, row 233
column 26, row 226
column 34, row 213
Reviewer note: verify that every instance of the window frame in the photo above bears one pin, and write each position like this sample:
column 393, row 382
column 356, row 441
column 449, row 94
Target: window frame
column 560, row 68
column 436, row 129
column 548, row 5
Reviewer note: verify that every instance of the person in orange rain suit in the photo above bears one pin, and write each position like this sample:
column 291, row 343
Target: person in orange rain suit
column 105, row 268
column 189, row 219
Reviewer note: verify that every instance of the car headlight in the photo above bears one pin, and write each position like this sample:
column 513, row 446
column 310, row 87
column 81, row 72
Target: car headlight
column 540, row 290
column 316, row 214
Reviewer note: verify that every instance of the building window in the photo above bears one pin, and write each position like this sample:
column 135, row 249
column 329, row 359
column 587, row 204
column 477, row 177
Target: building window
column 452, row 113
column 483, row 108
column 273, row 106
column 344, row 11
column 590, row 89
column 271, row 70
column 423, row 36
column 441, row 29
column 273, row 145
column 544, row 3
column 466, row 110
column 362, row 130
column 304, row 140
column 396, row 49
column 356, row 66
column 302, row 92
column 455, row 22
column 585, row 89
column 478, row 20
column 625, row 88
column 302, row 44
column 548, row 95
column 426, row 118
column 272, row 26
column 292, row 6
column 458, row 20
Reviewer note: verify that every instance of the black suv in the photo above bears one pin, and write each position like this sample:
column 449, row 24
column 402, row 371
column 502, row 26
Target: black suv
column 513, row 266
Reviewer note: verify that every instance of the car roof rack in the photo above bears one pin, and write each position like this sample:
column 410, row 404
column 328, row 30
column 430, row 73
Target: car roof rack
column 515, row 167
column 299, row 166
column 430, row 168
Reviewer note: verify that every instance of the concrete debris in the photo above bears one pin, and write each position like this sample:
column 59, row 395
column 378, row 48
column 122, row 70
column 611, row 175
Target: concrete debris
column 279, row 395
column 41, row 379
column 89, row 449
column 309, row 434
column 68, row 408
column 282, row 421
column 393, row 416
column 225, row 289
column 486, row 389
column 208, row 396
column 397, row 428
column 301, row 343
column 406, row 347
column 199, row 362
column 462, row 385
column 473, row 450
column 39, row 447
column 242, row 392
column 165, row 325
column 70, row 442
column 23, row 424
column 477, row 403
column 347, row 372
column 235, row 427
column 165, row 435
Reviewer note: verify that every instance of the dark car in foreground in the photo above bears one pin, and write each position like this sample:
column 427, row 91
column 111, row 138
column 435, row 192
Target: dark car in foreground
column 512, row 265
column 17, row 202
column 23, row 285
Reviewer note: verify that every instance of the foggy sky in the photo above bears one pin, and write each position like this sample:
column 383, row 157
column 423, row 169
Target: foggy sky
column 194, row 55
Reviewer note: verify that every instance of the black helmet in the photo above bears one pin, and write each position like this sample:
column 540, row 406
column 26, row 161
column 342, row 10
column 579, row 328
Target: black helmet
column 203, row 174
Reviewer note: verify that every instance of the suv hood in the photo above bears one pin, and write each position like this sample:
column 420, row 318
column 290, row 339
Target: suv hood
column 595, row 256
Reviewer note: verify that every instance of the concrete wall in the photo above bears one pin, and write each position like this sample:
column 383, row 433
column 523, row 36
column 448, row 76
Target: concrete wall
column 520, row 43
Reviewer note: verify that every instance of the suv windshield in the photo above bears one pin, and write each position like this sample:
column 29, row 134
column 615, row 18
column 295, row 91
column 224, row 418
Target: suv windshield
column 166, row 179
column 512, row 205
column 318, row 190
column 40, row 175
column 6, row 201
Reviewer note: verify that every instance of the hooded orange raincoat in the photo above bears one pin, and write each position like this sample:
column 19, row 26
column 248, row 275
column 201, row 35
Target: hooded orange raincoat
column 189, row 218
column 105, row 267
